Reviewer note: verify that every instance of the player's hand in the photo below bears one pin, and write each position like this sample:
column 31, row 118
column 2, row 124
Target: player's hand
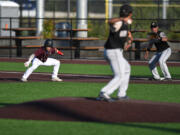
column 146, row 55
column 126, row 47
column 27, row 63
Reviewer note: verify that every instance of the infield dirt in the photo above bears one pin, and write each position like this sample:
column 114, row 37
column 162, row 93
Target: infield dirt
column 90, row 110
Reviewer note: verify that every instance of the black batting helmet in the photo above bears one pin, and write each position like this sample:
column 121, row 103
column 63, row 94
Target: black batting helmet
column 48, row 43
column 154, row 25
column 125, row 10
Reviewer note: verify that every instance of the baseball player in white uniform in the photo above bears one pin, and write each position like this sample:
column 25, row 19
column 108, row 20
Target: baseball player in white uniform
column 116, row 43
column 40, row 57
column 163, row 53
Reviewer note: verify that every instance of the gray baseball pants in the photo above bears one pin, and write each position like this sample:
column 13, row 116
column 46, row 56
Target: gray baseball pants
column 121, row 70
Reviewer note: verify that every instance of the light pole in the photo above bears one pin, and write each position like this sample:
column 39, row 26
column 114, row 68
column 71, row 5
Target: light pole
column 164, row 9
column 82, row 8
column 39, row 16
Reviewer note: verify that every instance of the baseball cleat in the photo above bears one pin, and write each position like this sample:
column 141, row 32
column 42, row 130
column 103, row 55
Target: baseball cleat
column 23, row 79
column 123, row 98
column 155, row 79
column 56, row 79
column 104, row 97
column 162, row 79
column 167, row 79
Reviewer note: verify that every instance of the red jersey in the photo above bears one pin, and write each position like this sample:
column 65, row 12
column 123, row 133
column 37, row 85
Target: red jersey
column 42, row 54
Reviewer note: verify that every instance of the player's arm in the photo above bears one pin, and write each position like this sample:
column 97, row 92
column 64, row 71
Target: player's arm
column 58, row 52
column 129, row 41
column 115, row 25
column 146, row 55
column 163, row 37
column 31, row 57
column 114, row 20
column 148, row 49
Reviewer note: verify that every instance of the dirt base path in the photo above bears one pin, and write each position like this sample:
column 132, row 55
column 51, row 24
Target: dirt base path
column 6, row 76
column 90, row 110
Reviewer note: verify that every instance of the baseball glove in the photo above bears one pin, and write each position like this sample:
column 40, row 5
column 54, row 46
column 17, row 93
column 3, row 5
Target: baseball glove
column 152, row 35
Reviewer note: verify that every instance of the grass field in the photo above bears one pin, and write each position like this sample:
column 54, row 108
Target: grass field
column 13, row 93
column 86, row 69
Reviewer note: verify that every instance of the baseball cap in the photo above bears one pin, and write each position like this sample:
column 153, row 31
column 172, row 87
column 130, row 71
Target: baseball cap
column 48, row 43
column 125, row 10
column 154, row 24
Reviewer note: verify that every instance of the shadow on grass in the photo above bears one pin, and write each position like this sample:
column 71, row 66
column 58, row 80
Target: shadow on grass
column 176, row 76
column 151, row 127
column 6, row 104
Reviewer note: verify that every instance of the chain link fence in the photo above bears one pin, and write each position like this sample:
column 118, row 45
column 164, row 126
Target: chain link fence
column 144, row 12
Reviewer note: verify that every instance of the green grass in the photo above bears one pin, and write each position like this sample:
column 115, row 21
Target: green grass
column 65, row 68
column 86, row 69
column 14, row 93
column 79, row 128
column 22, row 92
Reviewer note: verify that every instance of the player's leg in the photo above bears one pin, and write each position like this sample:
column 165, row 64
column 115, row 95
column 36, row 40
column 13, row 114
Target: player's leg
column 35, row 64
column 152, row 65
column 56, row 64
column 117, row 64
column 125, row 81
column 162, row 62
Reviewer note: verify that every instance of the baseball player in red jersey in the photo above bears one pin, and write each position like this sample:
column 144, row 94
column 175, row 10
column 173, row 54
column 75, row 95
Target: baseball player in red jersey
column 119, row 39
column 40, row 57
column 159, row 39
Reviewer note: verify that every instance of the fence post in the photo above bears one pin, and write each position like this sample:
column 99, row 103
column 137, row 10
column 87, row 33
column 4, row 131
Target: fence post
column 82, row 12
column 39, row 16
column 54, row 9
column 110, row 9
column 71, row 34
column 158, row 9
column 164, row 9
column 10, row 44
column 69, row 8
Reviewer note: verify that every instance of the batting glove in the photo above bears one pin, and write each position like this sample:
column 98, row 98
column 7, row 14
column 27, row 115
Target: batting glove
column 27, row 63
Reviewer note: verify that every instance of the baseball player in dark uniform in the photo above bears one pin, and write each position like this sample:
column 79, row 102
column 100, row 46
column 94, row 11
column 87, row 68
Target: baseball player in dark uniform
column 119, row 39
column 40, row 57
column 159, row 39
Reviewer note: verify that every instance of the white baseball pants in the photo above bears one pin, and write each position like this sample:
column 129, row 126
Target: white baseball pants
column 160, row 57
column 121, row 70
column 49, row 62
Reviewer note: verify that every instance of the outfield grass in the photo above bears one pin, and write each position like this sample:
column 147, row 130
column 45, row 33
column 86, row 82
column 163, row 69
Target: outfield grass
column 14, row 127
column 86, row 69
column 13, row 93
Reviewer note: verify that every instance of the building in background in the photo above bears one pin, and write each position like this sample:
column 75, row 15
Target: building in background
column 9, row 13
